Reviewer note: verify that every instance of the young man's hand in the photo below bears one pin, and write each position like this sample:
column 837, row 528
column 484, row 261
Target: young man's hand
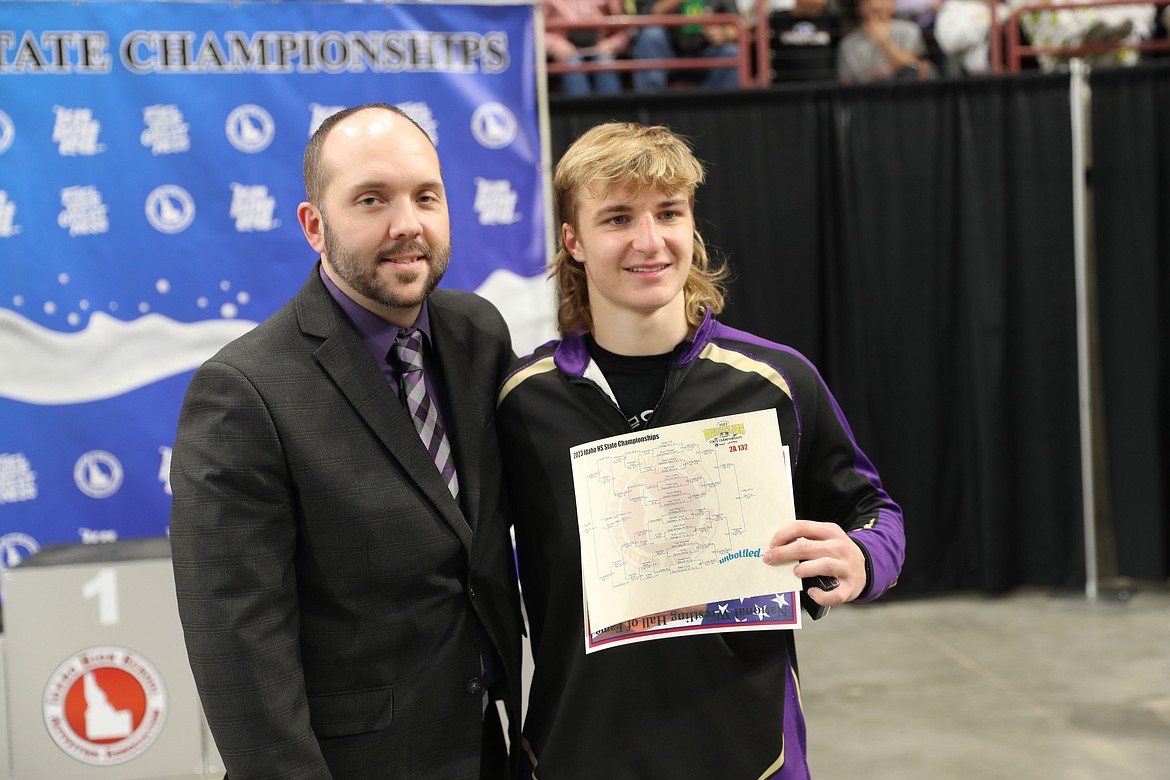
column 820, row 549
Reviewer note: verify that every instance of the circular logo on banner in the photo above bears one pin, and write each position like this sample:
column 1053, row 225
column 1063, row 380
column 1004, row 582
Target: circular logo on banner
column 170, row 209
column 104, row 706
column 493, row 125
column 7, row 132
column 98, row 474
column 15, row 547
column 250, row 128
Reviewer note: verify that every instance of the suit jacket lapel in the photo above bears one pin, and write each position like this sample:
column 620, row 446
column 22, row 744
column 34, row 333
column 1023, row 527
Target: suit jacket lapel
column 345, row 359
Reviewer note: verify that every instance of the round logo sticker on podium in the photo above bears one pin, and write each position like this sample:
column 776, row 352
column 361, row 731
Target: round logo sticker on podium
column 104, row 705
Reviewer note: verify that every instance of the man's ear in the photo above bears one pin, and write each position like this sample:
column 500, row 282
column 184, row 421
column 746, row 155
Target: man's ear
column 569, row 239
column 313, row 226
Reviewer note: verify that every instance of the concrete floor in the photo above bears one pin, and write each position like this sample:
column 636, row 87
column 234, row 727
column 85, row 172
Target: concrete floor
column 1031, row 686
column 967, row 687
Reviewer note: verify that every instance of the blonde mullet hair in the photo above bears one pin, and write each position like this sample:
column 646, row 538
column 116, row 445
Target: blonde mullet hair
column 613, row 157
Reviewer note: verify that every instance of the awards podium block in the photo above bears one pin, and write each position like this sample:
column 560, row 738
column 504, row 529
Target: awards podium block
column 5, row 767
column 98, row 681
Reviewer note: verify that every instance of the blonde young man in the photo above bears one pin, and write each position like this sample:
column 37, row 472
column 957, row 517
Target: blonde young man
column 641, row 349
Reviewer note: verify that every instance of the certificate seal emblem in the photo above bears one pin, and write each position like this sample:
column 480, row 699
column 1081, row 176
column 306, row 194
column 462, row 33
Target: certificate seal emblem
column 663, row 515
column 104, row 706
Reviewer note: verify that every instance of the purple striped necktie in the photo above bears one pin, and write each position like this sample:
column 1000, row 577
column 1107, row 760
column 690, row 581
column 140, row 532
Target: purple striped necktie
column 423, row 411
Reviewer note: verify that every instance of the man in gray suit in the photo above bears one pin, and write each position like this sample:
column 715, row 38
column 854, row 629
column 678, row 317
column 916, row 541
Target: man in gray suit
column 350, row 609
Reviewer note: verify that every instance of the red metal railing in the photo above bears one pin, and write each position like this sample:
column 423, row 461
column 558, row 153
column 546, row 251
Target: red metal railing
column 1015, row 50
column 742, row 61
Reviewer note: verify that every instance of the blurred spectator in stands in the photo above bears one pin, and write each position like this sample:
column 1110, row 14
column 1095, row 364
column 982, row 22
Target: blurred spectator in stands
column 689, row 40
column 923, row 14
column 1118, row 24
column 585, row 45
column 1161, row 33
column 882, row 47
column 962, row 29
column 804, row 42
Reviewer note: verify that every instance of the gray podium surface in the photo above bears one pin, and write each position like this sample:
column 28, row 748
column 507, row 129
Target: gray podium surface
column 98, row 684
column 5, row 756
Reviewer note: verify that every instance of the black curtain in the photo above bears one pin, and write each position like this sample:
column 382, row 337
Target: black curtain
column 915, row 241
column 1131, row 195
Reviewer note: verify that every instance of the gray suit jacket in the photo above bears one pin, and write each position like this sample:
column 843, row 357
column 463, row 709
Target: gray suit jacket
column 335, row 598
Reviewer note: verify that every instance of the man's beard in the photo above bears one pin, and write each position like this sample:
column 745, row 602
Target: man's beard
column 361, row 274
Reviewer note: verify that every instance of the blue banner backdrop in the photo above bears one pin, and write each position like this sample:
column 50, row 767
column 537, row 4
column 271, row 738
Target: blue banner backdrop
column 150, row 171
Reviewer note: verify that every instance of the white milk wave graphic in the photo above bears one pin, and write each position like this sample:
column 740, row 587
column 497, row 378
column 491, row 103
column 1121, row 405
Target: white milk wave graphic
column 526, row 304
column 110, row 357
